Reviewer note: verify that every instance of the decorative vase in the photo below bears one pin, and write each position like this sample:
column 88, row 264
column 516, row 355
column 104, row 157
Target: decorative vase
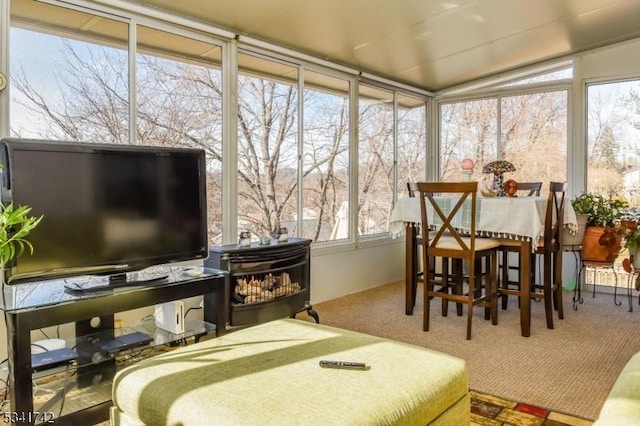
column 570, row 239
column 498, row 168
column 634, row 254
column 498, row 184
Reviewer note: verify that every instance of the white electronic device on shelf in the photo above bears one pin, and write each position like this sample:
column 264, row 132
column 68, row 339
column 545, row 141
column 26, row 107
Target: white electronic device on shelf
column 170, row 316
column 47, row 345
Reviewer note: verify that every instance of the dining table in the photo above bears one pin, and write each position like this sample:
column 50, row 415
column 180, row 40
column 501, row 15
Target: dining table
column 518, row 218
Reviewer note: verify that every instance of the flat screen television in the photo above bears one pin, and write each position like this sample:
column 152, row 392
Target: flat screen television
column 108, row 209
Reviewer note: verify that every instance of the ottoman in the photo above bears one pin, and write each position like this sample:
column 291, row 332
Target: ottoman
column 269, row 374
column 622, row 406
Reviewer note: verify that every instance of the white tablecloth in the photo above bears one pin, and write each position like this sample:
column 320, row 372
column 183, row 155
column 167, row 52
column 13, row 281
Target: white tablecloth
column 504, row 217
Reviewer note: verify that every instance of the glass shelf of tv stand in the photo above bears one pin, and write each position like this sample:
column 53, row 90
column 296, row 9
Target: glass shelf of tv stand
column 38, row 294
column 57, row 391
column 90, row 349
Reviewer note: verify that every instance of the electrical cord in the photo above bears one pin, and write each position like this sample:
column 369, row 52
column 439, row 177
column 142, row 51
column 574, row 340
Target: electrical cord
column 58, row 396
column 190, row 309
column 5, row 397
column 62, row 401
column 5, row 406
column 40, row 346
column 143, row 319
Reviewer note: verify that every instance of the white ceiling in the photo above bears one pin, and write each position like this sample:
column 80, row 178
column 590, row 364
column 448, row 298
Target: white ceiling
column 430, row 44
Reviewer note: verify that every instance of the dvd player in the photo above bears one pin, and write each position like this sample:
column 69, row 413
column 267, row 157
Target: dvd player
column 110, row 347
column 54, row 358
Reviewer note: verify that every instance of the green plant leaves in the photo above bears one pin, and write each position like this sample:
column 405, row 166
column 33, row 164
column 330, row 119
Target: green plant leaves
column 601, row 211
column 15, row 225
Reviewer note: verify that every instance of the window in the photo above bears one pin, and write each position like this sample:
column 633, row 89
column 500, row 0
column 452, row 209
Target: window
column 375, row 159
column 325, row 207
column 533, row 130
column 467, row 130
column 179, row 103
column 613, row 154
column 529, row 130
column 69, row 81
column 412, row 137
column 267, row 145
column 613, row 132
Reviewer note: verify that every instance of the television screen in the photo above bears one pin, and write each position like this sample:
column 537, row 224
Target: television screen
column 107, row 208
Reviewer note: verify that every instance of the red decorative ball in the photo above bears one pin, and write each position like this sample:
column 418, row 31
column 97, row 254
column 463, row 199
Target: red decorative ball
column 467, row 164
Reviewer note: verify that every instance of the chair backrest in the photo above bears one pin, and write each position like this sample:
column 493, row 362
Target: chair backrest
column 447, row 239
column 412, row 189
column 531, row 188
column 554, row 216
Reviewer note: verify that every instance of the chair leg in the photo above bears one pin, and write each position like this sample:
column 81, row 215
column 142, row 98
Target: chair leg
column 445, row 286
column 492, row 273
column 470, row 303
column 485, row 281
column 414, row 276
column 558, row 302
column 547, row 290
column 469, row 319
column 428, row 287
column 557, row 277
column 504, row 282
column 458, row 271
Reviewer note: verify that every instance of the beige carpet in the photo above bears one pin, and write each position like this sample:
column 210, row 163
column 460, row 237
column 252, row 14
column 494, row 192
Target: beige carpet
column 569, row 369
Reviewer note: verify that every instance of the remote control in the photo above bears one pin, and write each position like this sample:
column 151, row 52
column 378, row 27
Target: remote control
column 343, row 364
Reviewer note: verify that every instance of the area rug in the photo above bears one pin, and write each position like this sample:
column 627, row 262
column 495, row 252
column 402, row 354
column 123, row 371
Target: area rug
column 490, row 410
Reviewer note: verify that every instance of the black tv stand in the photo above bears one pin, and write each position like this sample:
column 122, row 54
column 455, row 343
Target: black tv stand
column 35, row 305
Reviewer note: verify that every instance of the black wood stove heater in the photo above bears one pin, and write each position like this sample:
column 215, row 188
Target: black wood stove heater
column 266, row 281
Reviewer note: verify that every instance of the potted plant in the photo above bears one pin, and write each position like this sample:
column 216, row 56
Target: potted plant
column 631, row 224
column 15, row 225
column 603, row 233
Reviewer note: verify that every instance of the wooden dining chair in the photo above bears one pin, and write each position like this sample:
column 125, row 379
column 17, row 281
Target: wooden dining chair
column 449, row 240
column 550, row 248
column 527, row 189
column 444, row 274
column 417, row 272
